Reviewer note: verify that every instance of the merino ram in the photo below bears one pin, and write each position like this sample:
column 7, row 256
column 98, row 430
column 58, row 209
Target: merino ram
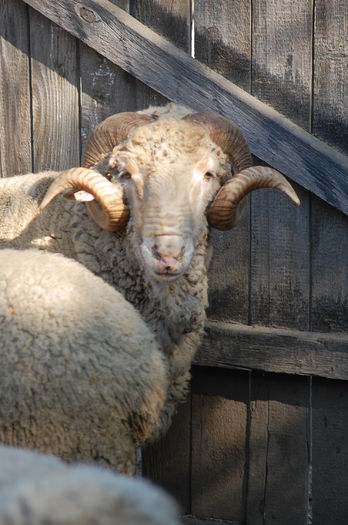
column 154, row 183
column 81, row 373
column 37, row 489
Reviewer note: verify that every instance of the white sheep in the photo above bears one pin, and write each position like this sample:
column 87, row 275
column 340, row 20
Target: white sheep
column 38, row 489
column 166, row 176
column 81, row 373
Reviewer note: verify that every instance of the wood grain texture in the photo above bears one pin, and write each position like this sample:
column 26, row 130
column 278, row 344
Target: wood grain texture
column 170, row 19
column 192, row 520
column 222, row 39
column 282, row 56
column 142, row 53
column 330, row 121
column 219, row 439
column 228, row 274
column 280, row 247
column 330, row 452
column 330, row 99
column 230, row 345
column 280, row 261
column 258, row 449
column 105, row 87
column 54, row 95
column 329, row 269
column 278, row 451
column 15, row 125
column 168, row 462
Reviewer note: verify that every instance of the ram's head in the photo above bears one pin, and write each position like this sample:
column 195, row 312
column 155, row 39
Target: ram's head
column 172, row 176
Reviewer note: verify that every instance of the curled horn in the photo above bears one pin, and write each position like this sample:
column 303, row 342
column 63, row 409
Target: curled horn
column 225, row 211
column 109, row 211
column 109, row 133
column 227, row 136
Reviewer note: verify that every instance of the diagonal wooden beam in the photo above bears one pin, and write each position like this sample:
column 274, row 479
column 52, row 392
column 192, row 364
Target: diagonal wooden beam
column 159, row 64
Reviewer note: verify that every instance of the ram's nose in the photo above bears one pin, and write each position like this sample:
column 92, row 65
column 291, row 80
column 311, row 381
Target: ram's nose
column 169, row 253
column 167, row 256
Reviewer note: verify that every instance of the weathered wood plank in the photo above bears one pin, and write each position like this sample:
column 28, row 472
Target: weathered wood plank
column 222, row 42
column 144, row 54
column 15, row 118
column 55, row 98
column 192, row 520
column 274, row 350
column 219, row 440
column 277, row 489
column 169, row 18
column 280, row 275
column 280, row 263
column 330, row 121
column 168, row 462
column 105, row 87
column 330, row 452
column 258, row 448
column 229, row 273
column 282, row 56
column 329, row 269
column 330, row 106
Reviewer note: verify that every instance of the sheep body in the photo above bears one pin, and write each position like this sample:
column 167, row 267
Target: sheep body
column 175, row 312
column 37, row 489
column 82, row 375
column 175, row 170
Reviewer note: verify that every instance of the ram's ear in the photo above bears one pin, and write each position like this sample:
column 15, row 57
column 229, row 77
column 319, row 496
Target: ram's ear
column 78, row 195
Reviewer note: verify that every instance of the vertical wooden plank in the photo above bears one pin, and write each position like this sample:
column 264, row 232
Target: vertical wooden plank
column 330, row 102
column 280, row 260
column 54, row 94
column 15, row 126
column 222, row 41
column 330, row 122
column 222, row 38
column 168, row 461
column 329, row 267
column 220, row 400
column 228, row 275
column 170, row 18
column 330, row 452
column 258, row 448
column 281, row 77
column 105, row 88
column 277, row 487
column 280, row 270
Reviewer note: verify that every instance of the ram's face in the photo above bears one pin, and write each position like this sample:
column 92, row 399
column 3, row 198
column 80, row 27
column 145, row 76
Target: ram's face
column 170, row 175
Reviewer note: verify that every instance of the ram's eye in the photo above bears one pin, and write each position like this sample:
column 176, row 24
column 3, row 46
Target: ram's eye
column 209, row 175
column 125, row 175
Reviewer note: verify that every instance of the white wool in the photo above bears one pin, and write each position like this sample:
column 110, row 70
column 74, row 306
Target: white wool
column 37, row 489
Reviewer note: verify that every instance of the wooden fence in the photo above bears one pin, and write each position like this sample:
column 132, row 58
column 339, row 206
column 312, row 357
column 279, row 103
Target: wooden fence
column 263, row 437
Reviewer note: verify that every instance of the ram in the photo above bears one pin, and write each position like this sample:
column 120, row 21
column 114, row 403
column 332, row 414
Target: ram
column 154, row 183
column 38, row 489
column 81, row 373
